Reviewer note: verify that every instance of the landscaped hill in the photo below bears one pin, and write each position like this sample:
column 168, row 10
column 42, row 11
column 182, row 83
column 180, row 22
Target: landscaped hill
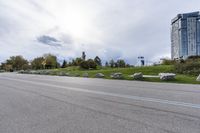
column 107, row 71
column 147, row 70
column 126, row 72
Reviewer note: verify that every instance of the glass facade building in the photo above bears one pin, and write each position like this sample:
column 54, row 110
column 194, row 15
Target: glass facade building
column 185, row 35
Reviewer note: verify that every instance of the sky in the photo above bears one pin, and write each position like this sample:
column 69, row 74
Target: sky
column 111, row 29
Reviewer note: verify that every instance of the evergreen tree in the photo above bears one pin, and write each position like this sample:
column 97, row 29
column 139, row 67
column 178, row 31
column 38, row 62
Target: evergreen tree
column 64, row 64
column 112, row 63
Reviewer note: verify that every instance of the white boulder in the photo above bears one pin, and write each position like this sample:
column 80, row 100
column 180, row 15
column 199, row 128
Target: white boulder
column 198, row 78
column 62, row 74
column 86, row 75
column 116, row 76
column 137, row 76
column 76, row 75
column 99, row 75
column 167, row 76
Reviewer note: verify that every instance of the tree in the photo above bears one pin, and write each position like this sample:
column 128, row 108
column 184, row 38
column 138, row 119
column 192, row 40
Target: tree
column 97, row 60
column 50, row 61
column 37, row 63
column 121, row 63
column 64, row 64
column 73, row 63
column 116, row 64
column 17, row 62
column 112, row 63
column 128, row 65
column 26, row 67
column 70, row 64
column 57, row 65
column 78, row 61
column 6, row 67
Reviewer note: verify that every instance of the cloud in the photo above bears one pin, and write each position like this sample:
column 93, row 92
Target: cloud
column 111, row 29
column 47, row 40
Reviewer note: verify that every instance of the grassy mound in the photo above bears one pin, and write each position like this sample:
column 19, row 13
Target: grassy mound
column 107, row 71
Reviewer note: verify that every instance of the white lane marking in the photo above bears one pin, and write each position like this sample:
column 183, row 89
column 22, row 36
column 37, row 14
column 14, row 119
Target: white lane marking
column 138, row 98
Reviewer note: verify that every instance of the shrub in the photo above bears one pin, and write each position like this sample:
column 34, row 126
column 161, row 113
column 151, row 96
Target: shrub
column 89, row 64
column 92, row 64
column 168, row 62
column 84, row 64
column 190, row 66
column 194, row 57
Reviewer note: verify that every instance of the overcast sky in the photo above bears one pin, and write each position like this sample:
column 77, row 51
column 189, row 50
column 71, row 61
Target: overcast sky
column 118, row 29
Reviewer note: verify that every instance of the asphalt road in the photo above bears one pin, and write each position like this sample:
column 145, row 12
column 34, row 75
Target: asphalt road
column 51, row 104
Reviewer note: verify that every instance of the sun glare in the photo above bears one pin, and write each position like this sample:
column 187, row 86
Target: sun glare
column 75, row 21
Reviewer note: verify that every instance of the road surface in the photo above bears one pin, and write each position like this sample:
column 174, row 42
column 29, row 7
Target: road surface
column 52, row 104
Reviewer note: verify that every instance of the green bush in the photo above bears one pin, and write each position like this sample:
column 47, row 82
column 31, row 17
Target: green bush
column 89, row 64
column 168, row 62
column 84, row 64
column 92, row 64
column 191, row 66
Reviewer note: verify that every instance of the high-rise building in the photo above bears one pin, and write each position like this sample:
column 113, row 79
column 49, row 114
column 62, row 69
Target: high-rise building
column 185, row 35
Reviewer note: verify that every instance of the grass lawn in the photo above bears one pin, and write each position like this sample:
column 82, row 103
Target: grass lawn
column 150, row 70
